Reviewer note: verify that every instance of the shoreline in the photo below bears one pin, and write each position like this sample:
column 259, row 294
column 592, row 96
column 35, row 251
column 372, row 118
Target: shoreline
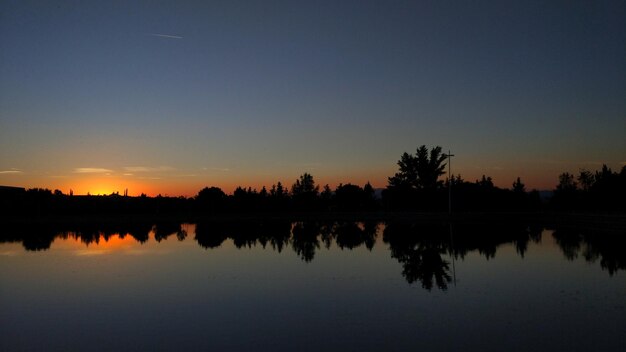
column 614, row 220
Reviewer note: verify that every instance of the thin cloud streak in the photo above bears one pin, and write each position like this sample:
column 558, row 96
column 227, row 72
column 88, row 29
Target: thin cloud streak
column 9, row 253
column 90, row 252
column 169, row 36
column 9, row 172
column 132, row 169
column 91, row 170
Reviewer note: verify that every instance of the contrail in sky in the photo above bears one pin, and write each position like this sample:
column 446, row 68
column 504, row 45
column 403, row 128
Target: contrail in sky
column 165, row 36
column 10, row 172
column 91, row 170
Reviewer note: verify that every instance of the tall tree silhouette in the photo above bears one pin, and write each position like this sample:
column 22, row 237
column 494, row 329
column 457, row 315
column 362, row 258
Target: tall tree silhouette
column 212, row 199
column 518, row 186
column 304, row 192
column 566, row 182
column 304, row 185
column 420, row 171
column 586, row 179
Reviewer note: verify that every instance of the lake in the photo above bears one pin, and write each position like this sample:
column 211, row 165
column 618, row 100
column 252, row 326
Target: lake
column 311, row 286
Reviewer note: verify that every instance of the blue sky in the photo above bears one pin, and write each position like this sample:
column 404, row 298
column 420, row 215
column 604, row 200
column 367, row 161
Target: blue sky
column 169, row 97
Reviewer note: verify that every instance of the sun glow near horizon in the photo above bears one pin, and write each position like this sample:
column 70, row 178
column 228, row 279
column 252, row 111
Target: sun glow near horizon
column 102, row 185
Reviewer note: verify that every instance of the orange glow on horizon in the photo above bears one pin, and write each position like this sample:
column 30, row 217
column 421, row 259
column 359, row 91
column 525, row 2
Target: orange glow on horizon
column 188, row 187
column 104, row 186
column 117, row 241
column 114, row 243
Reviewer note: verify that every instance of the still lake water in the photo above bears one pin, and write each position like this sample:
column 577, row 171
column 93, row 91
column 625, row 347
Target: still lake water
column 312, row 287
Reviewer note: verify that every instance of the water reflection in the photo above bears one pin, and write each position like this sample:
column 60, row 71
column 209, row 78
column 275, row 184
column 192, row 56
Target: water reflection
column 210, row 235
column 351, row 235
column 425, row 251
column 163, row 230
column 419, row 248
column 607, row 248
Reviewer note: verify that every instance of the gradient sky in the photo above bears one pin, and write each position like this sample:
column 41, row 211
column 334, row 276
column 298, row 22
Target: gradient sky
column 169, row 97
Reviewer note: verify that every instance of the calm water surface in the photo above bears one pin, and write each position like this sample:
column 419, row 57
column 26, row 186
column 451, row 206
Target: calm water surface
column 311, row 287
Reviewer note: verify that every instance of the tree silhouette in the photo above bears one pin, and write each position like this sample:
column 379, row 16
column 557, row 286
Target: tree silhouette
column 212, row 199
column 586, row 179
column 420, row 171
column 304, row 186
column 416, row 185
column 353, row 197
column 485, row 182
column 566, row 182
column 518, row 186
column 278, row 191
column 304, row 192
column 304, row 240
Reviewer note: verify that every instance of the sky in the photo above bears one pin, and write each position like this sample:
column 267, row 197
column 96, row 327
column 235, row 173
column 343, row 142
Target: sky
column 167, row 97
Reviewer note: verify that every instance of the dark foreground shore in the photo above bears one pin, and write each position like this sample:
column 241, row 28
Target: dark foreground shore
column 605, row 221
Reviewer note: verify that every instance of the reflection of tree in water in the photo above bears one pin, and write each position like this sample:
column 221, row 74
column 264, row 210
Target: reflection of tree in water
column 276, row 233
column 181, row 235
column 88, row 233
column 244, row 233
column 350, row 234
column 327, row 233
column 370, row 229
column 593, row 245
column 611, row 254
column 38, row 237
column 522, row 235
column 210, row 234
column 569, row 242
column 247, row 234
column 304, row 240
column 486, row 236
column 424, row 263
column 419, row 248
column 163, row 230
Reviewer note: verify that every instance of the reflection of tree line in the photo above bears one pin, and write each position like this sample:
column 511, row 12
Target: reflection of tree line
column 305, row 238
column 421, row 248
column 39, row 236
column 424, row 250
column 608, row 248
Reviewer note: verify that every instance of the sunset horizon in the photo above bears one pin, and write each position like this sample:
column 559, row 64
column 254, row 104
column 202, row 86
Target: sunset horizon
column 171, row 182
column 327, row 175
column 170, row 98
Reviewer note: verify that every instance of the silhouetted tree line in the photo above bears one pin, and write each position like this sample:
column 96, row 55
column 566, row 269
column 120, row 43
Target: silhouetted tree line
column 423, row 249
column 304, row 196
column 43, row 202
column 417, row 186
column 603, row 190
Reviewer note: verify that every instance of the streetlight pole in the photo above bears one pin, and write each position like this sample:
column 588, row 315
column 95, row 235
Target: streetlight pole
column 449, row 155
